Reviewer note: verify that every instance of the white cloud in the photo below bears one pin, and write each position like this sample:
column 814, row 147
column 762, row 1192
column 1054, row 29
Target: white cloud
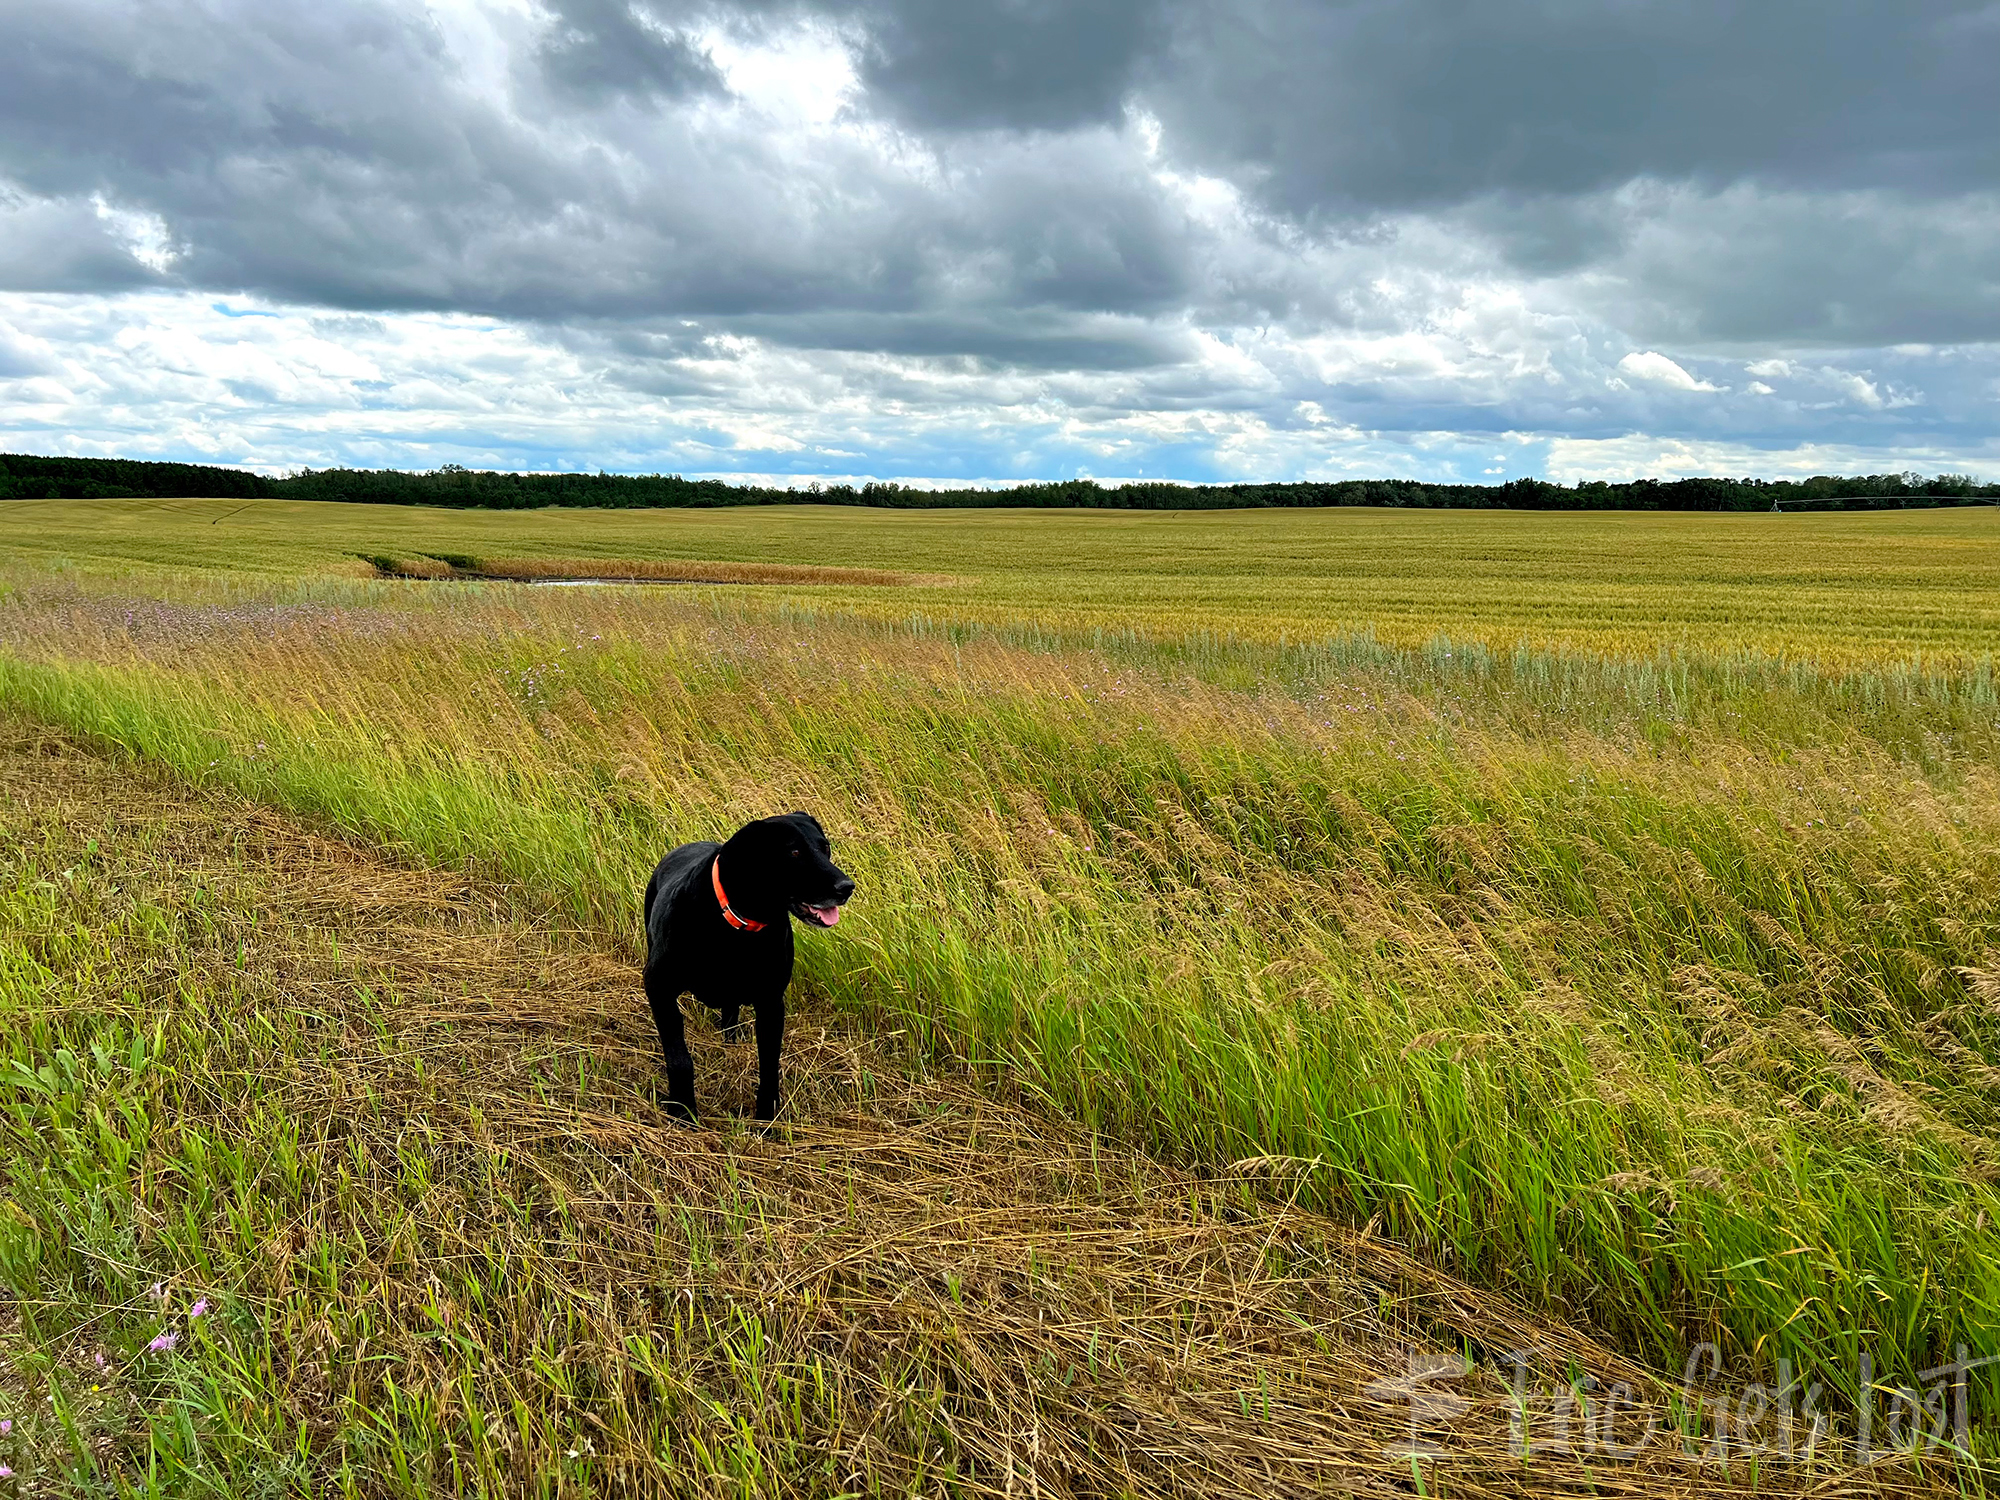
column 145, row 236
column 1862, row 391
column 1393, row 393
column 23, row 357
column 1643, row 457
column 1660, row 370
column 802, row 75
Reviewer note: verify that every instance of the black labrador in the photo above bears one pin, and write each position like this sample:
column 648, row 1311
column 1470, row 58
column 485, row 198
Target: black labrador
column 718, row 926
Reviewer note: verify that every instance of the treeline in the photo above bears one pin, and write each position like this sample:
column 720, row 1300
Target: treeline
column 23, row 477
column 98, row 478
column 487, row 489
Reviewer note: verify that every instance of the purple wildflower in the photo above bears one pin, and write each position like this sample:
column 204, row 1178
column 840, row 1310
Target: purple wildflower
column 199, row 1308
column 164, row 1342
column 6, row 1426
column 5, row 1472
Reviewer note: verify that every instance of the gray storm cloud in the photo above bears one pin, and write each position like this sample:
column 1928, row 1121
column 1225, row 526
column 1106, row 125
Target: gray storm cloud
column 1393, row 104
column 604, row 47
column 1420, row 215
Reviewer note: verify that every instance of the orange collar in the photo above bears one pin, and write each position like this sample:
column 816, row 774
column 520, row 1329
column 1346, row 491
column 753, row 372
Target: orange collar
column 743, row 924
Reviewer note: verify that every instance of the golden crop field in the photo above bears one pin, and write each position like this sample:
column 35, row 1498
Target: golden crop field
column 1289, row 945
column 1838, row 587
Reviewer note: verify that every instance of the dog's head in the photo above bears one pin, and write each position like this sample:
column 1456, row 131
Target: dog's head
column 785, row 864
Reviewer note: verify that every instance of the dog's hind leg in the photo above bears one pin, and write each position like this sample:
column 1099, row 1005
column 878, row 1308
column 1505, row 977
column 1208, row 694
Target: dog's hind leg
column 732, row 1023
column 770, row 1038
column 664, row 996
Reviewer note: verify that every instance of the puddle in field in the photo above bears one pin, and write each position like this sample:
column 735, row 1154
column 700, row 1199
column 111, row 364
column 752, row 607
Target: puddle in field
column 588, row 583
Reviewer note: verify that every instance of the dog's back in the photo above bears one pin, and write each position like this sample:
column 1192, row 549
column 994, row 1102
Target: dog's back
column 673, row 875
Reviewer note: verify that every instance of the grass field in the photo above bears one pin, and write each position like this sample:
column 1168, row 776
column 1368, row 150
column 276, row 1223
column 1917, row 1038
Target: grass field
column 1597, row 916
column 1836, row 588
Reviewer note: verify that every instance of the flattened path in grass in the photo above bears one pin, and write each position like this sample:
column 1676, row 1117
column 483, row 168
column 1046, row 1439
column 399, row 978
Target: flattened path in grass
column 406, row 1141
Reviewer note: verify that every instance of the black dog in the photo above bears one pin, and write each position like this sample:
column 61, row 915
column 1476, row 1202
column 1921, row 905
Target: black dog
column 717, row 926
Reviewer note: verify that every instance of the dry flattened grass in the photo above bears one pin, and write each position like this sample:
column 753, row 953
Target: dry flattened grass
column 496, row 1238
column 418, row 566
column 649, row 570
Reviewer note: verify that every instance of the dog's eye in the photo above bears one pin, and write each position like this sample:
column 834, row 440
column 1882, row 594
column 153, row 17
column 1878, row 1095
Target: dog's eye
column 797, row 852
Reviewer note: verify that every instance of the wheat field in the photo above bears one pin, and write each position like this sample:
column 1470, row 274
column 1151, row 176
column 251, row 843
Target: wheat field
column 1460, row 933
column 1846, row 589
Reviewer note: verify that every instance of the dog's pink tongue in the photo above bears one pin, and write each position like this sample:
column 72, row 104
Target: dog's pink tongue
column 827, row 914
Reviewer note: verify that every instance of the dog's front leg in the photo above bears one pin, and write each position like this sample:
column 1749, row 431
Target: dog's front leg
column 664, row 996
column 770, row 1039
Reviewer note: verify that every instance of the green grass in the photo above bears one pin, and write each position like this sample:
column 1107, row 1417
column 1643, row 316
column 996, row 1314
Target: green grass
column 1633, row 984
column 384, row 1162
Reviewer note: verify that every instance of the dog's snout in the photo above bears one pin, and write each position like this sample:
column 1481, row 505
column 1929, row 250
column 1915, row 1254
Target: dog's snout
column 842, row 888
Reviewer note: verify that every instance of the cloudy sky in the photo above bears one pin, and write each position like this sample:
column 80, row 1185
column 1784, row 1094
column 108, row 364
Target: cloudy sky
column 997, row 239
